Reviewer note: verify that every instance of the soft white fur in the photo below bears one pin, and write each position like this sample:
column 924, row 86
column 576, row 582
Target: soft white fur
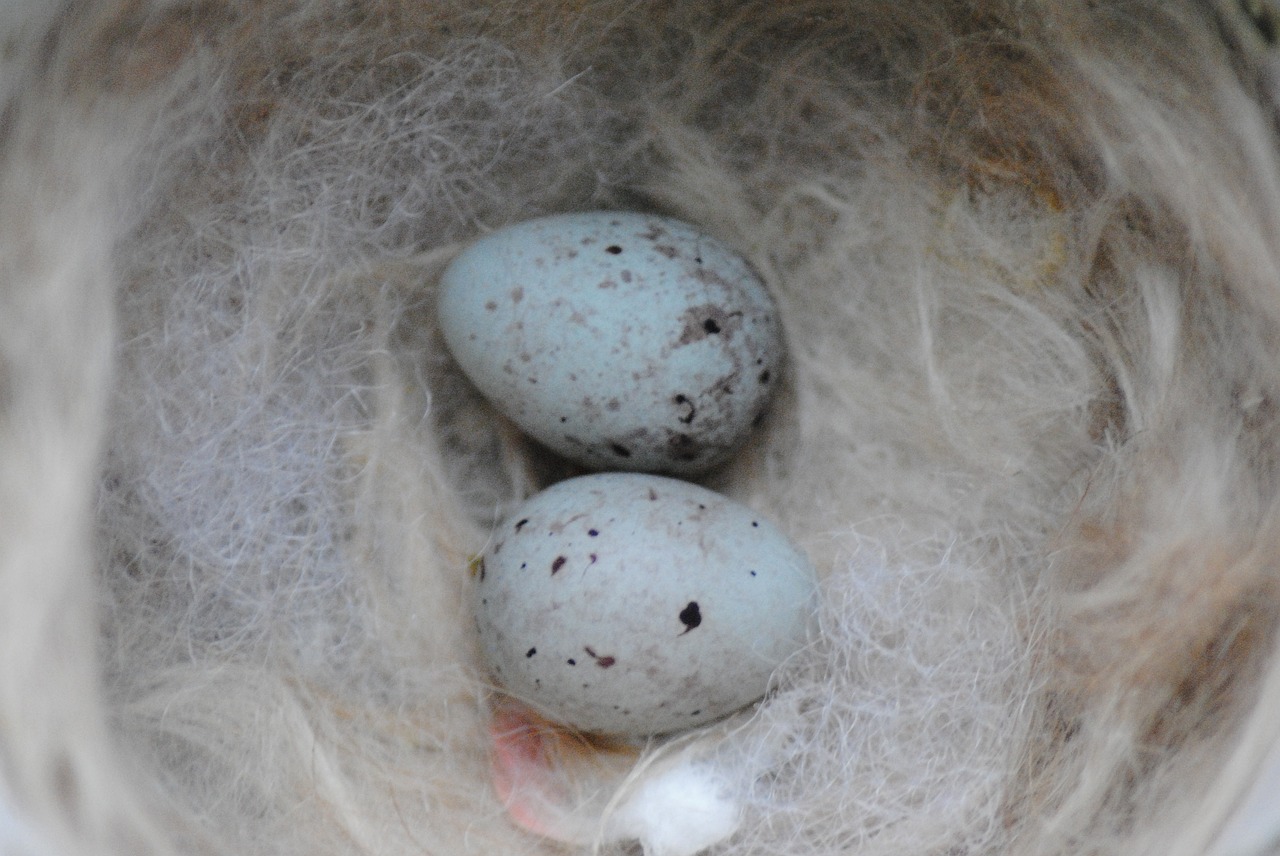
column 1028, row 260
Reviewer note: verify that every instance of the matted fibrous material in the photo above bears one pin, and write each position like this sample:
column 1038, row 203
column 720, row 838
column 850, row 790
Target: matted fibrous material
column 1028, row 260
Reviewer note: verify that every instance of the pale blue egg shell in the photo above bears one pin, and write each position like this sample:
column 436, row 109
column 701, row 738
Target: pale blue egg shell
column 630, row 604
column 620, row 340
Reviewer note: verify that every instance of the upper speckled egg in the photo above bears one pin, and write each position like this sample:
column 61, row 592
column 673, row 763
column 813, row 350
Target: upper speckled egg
column 620, row 340
column 632, row 604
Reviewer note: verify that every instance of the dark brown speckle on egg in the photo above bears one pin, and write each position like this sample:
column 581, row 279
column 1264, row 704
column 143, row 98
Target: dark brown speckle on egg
column 603, row 662
column 690, row 616
column 691, row 410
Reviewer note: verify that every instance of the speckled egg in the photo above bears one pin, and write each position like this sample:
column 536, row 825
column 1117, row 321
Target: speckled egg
column 623, row 341
column 630, row 604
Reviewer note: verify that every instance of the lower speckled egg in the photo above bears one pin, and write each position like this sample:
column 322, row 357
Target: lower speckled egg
column 631, row 604
column 623, row 341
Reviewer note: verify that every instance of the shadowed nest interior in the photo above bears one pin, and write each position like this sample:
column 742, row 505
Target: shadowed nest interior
column 1026, row 255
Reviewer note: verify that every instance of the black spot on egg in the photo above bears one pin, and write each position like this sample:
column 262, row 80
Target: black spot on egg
column 620, row 450
column 690, row 616
column 520, row 524
column 691, row 410
column 571, row 661
column 558, row 564
column 711, row 326
column 530, row 652
column 593, row 532
column 613, row 250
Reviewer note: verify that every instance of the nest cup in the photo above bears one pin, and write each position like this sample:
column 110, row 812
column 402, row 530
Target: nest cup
column 1025, row 263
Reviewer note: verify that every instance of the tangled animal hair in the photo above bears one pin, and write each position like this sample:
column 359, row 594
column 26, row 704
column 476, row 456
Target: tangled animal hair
column 1026, row 258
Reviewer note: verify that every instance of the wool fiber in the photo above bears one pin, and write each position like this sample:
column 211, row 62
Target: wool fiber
column 1027, row 258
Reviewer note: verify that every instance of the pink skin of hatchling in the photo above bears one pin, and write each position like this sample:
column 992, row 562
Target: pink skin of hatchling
column 535, row 762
